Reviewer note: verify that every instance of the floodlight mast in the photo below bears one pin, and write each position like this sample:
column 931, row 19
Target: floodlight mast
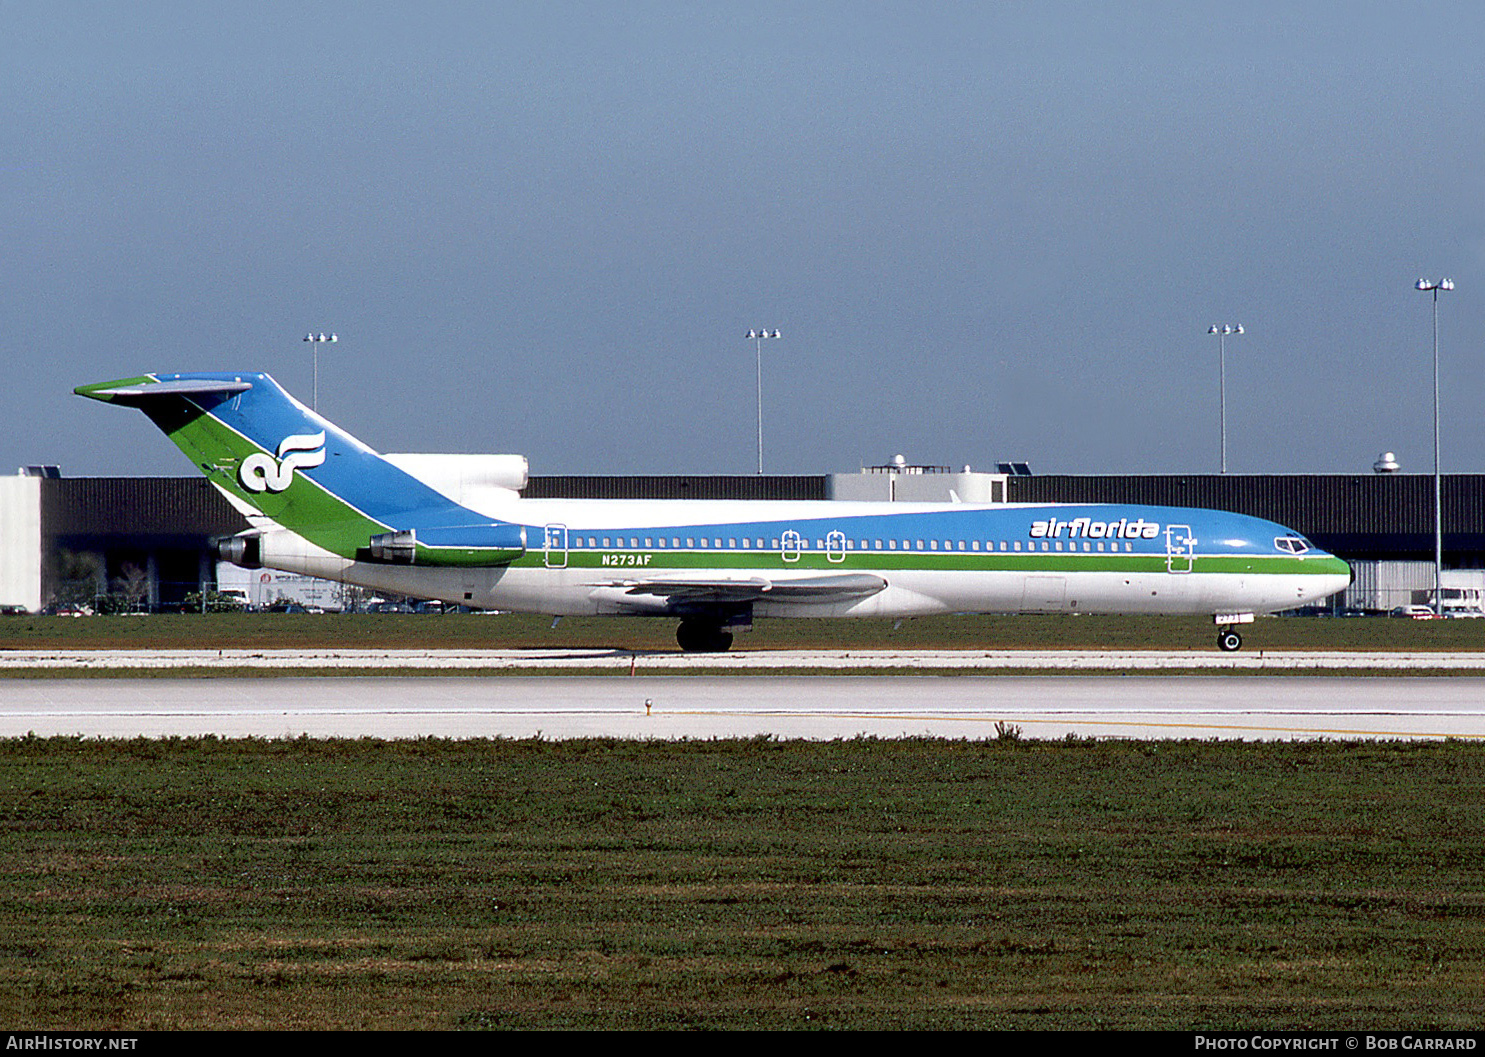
column 757, row 337
column 1222, row 332
column 1430, row 286
column 315, row 340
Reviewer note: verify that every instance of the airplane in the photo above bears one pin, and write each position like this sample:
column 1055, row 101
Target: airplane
column 455, row 528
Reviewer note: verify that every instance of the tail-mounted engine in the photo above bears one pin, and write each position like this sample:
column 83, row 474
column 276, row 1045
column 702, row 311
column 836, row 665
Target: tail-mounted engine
column 465, row 545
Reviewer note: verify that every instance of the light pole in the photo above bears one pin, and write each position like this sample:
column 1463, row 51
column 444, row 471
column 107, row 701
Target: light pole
column 1222, row 332
column 1430, row 286
column 314, row 340
column 757, row 337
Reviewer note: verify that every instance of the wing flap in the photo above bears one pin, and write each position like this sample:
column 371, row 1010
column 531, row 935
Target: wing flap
column 831, row 587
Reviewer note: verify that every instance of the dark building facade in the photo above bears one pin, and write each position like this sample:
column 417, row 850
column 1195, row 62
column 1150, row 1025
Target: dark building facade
column 152, row 531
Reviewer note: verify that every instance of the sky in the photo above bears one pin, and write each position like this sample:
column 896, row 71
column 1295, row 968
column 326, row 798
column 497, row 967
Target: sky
column 986, row 231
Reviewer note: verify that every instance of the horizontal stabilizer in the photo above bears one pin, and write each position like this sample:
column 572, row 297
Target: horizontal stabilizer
column 132, row 392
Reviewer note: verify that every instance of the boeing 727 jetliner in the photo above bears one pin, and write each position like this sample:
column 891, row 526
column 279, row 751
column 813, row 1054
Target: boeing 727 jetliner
column 455, row 527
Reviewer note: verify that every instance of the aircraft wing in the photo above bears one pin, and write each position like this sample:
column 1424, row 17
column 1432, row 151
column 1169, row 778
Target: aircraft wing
column 828, row 588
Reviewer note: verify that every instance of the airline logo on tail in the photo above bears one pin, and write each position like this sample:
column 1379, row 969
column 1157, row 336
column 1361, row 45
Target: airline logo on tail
column 261, row 472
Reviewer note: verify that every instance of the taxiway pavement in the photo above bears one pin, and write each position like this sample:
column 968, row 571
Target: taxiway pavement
column 742, row 661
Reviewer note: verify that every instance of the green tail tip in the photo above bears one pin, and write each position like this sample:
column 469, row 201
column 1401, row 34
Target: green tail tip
column 109, row 392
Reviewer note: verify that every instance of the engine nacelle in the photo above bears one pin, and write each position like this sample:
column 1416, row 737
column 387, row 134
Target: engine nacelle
column 245, row 550
column 477, row 546
column 483, row 483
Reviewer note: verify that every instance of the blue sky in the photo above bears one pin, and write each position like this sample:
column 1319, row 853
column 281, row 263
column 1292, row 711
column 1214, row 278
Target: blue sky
column 986, row 230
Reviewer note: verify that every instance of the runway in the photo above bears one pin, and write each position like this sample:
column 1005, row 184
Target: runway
column 701, row 707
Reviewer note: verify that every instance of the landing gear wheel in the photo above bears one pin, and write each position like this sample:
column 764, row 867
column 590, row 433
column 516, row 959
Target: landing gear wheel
column 1229, row 640
column 697, row 636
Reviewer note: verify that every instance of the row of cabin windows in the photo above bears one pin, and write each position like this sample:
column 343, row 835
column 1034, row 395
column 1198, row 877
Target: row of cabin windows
column 892, row 545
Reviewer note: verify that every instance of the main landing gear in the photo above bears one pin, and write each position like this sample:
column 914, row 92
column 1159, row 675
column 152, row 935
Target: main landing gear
column 702, row 636
column 1229, row 640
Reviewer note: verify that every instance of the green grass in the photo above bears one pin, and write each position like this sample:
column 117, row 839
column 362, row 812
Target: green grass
column 741, row 884
column 468, row 631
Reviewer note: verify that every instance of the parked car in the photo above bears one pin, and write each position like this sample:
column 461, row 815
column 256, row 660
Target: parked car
column 1416, row 612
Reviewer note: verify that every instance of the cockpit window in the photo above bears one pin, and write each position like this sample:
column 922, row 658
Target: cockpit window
column 1292, row 544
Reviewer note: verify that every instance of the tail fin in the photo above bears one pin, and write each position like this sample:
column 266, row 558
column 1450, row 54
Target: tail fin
column 271, row 454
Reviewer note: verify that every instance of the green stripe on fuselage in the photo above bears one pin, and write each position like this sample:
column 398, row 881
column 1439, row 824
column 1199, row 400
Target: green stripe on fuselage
column 632, row 563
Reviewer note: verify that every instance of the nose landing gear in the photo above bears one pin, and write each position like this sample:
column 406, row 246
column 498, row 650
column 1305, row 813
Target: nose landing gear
column 1228, row 638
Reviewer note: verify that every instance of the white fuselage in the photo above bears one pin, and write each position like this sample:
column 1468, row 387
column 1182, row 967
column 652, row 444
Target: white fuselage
column 576, row 578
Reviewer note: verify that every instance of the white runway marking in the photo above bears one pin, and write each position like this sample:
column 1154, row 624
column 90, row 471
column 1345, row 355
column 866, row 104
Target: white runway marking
column 1170, row 706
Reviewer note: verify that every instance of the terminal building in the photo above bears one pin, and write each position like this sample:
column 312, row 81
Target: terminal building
column 145, row 542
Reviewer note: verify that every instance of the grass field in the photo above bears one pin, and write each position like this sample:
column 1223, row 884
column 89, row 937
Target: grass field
column 472, row 631
column 745, row 884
